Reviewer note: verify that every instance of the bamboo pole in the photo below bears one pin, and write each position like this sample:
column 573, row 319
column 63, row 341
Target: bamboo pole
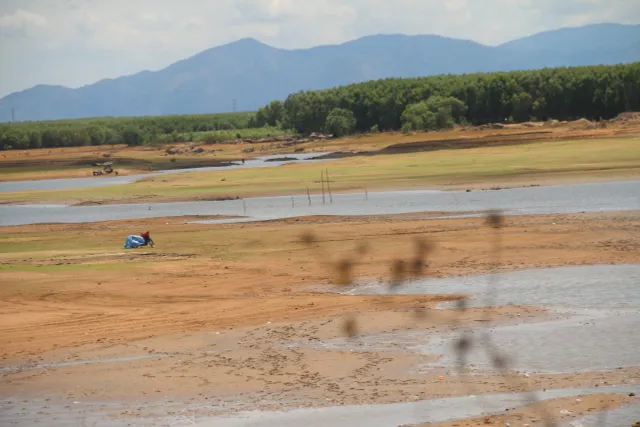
column 326, row 174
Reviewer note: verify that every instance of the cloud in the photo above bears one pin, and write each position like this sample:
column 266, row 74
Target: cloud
column 20, row 23
column 75, row 42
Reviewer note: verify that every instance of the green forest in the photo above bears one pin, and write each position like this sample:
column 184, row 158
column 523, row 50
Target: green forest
column 127, row 130
column 427, row 103
column 598, row 92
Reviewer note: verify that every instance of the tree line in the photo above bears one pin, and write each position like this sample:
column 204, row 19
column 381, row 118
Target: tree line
column 436, row 102
column 115, row 130
column 427, row 103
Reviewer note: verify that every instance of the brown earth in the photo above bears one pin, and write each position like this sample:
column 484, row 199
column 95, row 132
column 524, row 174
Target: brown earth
column 237, row 309
column 146, row 292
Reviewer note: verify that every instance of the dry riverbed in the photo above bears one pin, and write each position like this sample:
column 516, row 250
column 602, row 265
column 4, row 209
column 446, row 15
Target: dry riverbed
column 231, row 313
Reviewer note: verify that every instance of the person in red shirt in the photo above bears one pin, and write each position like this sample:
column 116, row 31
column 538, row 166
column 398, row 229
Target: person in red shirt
column 147, row 239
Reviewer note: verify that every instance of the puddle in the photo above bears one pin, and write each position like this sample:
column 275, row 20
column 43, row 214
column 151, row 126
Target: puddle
column 600, row 197
column 77, row 183
column 392, row 415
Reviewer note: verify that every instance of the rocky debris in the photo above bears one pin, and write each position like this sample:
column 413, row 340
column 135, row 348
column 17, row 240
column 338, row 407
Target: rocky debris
column 282, row 141
column 582, row 124
column 628, row 117
column 490, row 126
column 285, row 140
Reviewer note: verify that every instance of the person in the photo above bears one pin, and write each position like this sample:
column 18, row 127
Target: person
column 147, row 239
column 134, row 241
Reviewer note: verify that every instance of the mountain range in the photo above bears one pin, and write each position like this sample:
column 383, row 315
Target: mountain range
column 250, row 74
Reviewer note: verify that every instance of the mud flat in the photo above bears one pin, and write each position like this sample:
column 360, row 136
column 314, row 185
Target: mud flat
column 224, row 319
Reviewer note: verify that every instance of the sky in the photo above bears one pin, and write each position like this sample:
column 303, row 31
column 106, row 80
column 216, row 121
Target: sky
column 78, row 42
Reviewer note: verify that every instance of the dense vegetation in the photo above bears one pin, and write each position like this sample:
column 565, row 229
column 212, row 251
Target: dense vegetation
column 130, row 131
column 426, row 103
column 440, row 101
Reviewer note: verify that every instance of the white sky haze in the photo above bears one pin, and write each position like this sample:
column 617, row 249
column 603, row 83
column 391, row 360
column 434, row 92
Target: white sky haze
column 78, row 42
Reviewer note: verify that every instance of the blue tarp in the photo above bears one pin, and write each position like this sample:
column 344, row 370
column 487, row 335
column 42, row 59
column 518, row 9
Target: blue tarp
column 133, row 241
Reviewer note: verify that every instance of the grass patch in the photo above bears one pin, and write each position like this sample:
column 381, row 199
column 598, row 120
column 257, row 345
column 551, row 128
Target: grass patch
column 383, row 171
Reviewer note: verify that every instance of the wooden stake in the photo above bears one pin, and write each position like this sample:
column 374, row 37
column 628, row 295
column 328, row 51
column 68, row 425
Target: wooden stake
column 244, row 206
column 322, row 183
column 308, row 195
column 326, row 174
column 292, row 202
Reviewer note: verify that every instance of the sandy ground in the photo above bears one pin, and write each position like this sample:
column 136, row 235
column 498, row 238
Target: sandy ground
column 234, row 314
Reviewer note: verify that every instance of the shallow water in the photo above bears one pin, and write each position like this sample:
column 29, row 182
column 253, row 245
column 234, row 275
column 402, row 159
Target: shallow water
column 392, row 415
column 598, row 197
column 87, row 413
column 600, row 307
column 621, row 417
column 104, row 181
column 587, row 286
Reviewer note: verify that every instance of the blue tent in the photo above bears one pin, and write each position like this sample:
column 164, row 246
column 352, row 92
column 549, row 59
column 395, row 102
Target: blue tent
column 133, row 241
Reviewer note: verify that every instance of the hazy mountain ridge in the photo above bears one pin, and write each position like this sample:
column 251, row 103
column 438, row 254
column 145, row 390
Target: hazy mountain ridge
column 254, row 74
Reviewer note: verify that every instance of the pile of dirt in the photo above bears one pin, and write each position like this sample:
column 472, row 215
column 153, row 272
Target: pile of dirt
column 582, row 124
column 628, row 117
column 190, row 149
column 490, row 126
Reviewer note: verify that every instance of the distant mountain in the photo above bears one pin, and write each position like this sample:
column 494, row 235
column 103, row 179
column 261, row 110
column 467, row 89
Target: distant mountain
column 576, row 39
column 254, row 74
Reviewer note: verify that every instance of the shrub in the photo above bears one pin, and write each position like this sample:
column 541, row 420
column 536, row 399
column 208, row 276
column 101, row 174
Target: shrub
column 340, row 122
